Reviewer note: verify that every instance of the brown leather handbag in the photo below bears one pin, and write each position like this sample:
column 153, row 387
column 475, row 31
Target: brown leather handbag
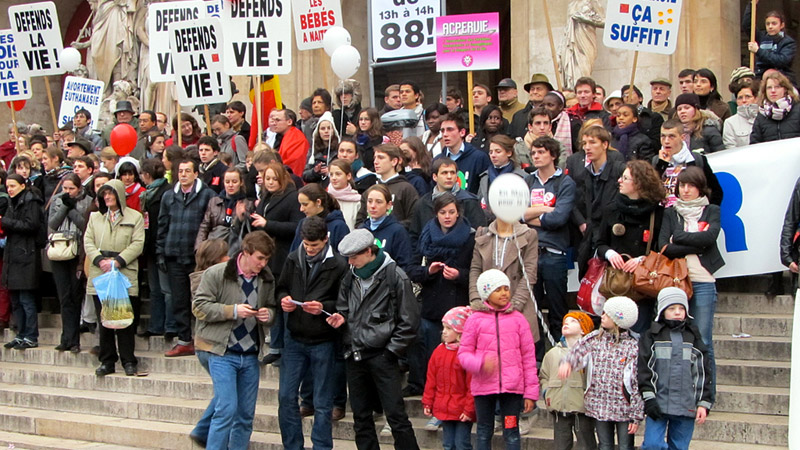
column 657, row 272
column 616, row 282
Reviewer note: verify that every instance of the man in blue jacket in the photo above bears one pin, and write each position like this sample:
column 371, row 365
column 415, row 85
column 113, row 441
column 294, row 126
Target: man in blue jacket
column 471, row 162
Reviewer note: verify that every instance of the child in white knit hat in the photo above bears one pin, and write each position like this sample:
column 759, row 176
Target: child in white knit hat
column 497, row 349
column 612, row 397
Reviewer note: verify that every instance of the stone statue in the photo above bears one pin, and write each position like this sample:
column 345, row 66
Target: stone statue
column 122, row 90
column 146, row 87
column 578, row 47
column 113, row 46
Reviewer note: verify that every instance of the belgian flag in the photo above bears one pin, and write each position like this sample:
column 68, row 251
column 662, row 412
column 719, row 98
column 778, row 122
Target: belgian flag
column 270, row 99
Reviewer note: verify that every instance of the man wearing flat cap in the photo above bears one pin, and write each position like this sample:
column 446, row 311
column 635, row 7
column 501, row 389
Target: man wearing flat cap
column 378, row 316
column 660, row 92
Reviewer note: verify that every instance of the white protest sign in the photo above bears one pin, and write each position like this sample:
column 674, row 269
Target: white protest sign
column 312, row 18
column 38, row 37
column 258, row 37
column 196, row 52
column 402, row 28
column 81, row 93
column 643, row 25
column 14, row 81
column 160, row 16
column 214, row 8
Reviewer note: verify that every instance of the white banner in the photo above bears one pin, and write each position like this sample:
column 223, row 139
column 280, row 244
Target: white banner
column 643, row 25
column 258, row 37
column 404, row 30
column 81, row 93
column 14, row 81
column 196, row 48
column 312, row 18
column 38, row 37
column 160, row 16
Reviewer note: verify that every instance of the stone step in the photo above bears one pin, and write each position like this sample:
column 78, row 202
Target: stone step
column 771, row 348
column 52, row 336
column 142, row 434
column 753, row 400
column 21, row 441
column 744, row 429
column 753, row 324
column 740, row 372
column 745, row 303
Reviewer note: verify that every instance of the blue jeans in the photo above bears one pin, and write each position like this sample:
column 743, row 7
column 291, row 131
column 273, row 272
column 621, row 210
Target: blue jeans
column 510, row 406
column 23, row 306
column 299, row 359
column 161, row 319
column 429, row 336
column 456, row 435
column 276, row 333
column 201, row 429
column 702, row 307
column 235, row 378
column 605, row 435
column 677, row 429
column 551, row 290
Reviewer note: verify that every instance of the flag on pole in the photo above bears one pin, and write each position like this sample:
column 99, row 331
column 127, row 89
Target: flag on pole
column 270, row 99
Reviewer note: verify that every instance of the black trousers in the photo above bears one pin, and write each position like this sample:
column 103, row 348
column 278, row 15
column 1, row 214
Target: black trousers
column 378, row 377
column 123, row 340
column 181, row 298
column 71, row 291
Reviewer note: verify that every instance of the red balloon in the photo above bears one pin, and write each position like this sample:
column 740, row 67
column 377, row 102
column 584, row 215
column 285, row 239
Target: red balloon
column 16, row 104
column 123, row 139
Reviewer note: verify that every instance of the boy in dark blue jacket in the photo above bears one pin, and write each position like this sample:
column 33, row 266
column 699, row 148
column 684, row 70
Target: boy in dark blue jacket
column 471, row 162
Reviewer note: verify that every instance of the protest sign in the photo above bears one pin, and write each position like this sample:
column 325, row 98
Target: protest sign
column 37, row 37
column 196, row 49
column 81, row 93
column 643, row 25
column 312, row 18
column 467, row 42
column 14, row 81
column 403, row 28
column 214, row 8
column 258, row 37
column 160, row 16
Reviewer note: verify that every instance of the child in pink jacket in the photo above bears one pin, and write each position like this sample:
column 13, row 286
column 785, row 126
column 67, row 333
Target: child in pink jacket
column 497, row 349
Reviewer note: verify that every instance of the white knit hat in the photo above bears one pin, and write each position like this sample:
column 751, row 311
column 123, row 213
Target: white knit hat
column 489, row 281
column 622, row 311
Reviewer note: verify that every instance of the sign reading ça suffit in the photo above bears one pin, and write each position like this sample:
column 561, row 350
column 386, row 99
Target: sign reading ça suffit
column 468, row 42
column 643, row 25
column 38, row 37
column 196, row 52
column 258, row 37
column 14, row 81
column 80, row 93
column 312, row 18
column 403, row 28
column 160, row 17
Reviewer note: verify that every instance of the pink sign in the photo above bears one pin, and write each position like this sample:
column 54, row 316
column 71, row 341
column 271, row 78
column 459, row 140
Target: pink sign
column 468, row 42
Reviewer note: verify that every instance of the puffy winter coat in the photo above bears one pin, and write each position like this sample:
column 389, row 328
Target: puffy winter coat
column 766, row 129
column 737, row 128
column 24, row 229
column 505, row 336
column 447, row 390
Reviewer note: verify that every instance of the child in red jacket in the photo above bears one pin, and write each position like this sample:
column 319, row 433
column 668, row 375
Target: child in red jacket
column 447, row 396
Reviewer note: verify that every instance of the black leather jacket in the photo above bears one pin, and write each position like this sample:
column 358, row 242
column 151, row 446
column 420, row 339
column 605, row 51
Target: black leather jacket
column 790, row 225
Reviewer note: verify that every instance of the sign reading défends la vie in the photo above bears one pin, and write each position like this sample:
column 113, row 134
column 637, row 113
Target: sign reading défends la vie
column 196, row 50
column 643, row 25
column 38, row 37
column 258, row 37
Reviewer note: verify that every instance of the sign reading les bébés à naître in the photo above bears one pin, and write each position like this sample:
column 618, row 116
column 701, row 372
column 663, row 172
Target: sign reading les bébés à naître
column 80, row 93
column 197, row 52
column 37, row 37
column 312, row 18
column 643, row 25
column 403, row 28
column 14, row 81
column 468, row 42
column 160, row 17
column 258, row 37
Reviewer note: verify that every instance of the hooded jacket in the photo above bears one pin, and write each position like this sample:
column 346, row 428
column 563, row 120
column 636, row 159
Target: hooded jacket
column 23, row 226
column 122, row 240
column 234, row 144
column 352, row 111
column 505, row 336
column 337, row 230
column 321, row 155
column 565, row 396
column 737, row 128
column 393, row 239
column 710, row 139
column 404, row 198
column 447, row 384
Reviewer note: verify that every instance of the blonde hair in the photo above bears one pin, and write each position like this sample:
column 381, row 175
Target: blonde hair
column 109, row 153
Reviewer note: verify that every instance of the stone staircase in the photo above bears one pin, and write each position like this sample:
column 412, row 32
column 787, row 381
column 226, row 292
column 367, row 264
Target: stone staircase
column 53, row 400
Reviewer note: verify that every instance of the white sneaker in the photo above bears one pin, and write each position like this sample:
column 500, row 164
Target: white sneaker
column 386, row 430
column 433, row 424
column 525, row 424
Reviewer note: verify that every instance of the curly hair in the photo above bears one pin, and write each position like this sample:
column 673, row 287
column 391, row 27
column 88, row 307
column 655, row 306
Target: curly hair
column 646, row 180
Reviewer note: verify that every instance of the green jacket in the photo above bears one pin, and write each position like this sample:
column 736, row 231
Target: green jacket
column 215, row 300
column 123, row 241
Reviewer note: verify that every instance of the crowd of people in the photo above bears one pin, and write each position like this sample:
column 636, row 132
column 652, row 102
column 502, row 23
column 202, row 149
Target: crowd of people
column 360, row 246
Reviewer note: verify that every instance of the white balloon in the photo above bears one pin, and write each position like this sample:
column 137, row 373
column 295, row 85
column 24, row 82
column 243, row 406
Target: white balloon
column 345, row 61
column 509, row 197
column 70, row 59
column 334, row 38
